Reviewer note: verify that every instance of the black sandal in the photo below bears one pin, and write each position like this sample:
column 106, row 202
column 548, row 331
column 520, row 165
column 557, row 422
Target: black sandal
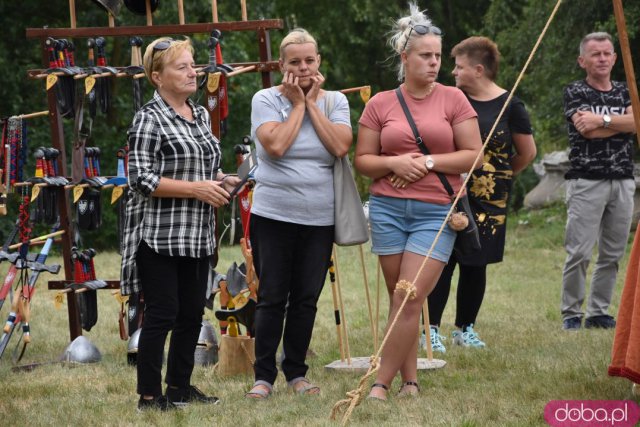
column 379, row 385
column 402, row 392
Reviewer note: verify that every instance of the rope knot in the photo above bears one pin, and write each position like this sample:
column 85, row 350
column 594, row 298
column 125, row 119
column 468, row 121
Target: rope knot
column 407, row 287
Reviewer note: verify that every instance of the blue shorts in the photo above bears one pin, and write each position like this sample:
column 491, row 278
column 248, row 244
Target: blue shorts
column 399, row 225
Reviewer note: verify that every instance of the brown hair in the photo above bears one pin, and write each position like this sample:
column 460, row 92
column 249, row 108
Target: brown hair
column 480, row 50
column 155, row 60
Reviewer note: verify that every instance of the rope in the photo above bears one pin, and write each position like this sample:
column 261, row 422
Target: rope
column 354, row 397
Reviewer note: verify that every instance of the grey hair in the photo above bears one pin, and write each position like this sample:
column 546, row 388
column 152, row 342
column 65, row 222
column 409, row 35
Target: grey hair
column 597, row 36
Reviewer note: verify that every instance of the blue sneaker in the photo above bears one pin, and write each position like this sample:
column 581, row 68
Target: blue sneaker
column 467, row 338
column 436, row 340
column 572, row 323
column 604, row 321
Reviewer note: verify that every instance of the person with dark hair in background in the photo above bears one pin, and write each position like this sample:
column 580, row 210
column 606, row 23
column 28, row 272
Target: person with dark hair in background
column 408, row 202
column 600, row 183
column 175, row 183
column 509, row 151
column 299, row 130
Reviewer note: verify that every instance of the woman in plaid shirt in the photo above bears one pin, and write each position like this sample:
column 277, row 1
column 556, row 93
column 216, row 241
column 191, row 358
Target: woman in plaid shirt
column 175, row 183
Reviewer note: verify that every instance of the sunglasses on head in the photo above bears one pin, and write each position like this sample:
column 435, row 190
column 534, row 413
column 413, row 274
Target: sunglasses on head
column 163, row 45
column 422, row 30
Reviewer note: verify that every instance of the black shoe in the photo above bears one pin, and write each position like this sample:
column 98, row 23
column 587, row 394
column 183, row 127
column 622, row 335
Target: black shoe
column 572, row 324
column 159, row 403
column 603, row 321
column 183, row 396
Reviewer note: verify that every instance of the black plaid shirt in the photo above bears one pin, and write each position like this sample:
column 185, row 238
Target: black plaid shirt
column 164, row 144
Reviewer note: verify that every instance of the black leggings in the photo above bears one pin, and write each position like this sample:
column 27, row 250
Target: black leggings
column 472, row 283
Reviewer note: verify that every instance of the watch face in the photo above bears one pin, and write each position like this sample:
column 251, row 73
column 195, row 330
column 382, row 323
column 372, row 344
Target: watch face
column 429, row 163
column 606, row 119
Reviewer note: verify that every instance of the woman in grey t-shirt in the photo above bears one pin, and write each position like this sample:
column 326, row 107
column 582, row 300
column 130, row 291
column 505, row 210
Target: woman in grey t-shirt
column 299, row 129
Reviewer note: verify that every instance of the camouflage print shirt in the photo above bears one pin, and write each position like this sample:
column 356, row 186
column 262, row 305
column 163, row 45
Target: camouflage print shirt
column 600, row 158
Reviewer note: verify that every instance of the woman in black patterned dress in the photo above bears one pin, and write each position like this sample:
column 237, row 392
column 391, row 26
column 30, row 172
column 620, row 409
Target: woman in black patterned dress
column 509, row 151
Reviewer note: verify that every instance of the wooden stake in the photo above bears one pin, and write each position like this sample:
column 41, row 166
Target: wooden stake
column 148, row 8
column 336, row 307
column 366, row 290
column 214, row 10
column 243, row 6
column 427, row 330
column 628, row 62
column 241, row 70
column 181, row 12
column 345, row 332
column 32, row 115
column 376, row 334
column 38, row 239
column 72, row 12
column 112, row 21
column 353, row 89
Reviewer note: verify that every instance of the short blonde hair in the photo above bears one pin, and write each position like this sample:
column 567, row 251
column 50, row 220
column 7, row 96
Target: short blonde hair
column 297, row 36
column 155, row 60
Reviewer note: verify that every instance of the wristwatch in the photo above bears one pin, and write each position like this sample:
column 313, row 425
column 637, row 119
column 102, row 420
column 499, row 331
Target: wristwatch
column 606, row 120
column 429, row 163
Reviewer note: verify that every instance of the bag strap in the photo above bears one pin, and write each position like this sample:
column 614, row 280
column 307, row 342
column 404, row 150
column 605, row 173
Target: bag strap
column 329, row 101
column 420, row 142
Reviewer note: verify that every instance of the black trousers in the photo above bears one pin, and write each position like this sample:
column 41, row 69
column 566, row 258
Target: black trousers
column 291, row 261
column 472, row 282
column 174, row 295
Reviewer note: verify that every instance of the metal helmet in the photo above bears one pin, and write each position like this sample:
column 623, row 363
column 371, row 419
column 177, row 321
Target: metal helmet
column 81, row 350
column 206, row 352
column 139, row 7
column 112, row 6
column 132, row 347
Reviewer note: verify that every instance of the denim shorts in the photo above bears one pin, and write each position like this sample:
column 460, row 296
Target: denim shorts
column 399, row 225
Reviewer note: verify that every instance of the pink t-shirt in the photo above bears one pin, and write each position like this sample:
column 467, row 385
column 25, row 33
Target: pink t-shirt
column 434, row 116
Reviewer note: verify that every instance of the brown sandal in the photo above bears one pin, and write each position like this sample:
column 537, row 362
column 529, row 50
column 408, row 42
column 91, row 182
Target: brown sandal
column 403, row 393
column 378, row 385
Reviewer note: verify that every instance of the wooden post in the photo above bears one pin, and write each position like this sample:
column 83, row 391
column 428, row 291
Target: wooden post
column 264, row 43
column 57, row 141
column 147, row 4
column 214, row 10
column 72, row 12
column 243, row 6
column 181, row 12
column 112, row 21
column 628, row 62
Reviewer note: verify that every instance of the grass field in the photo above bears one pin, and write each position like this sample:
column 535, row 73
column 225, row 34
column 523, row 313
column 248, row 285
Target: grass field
column 529, row 360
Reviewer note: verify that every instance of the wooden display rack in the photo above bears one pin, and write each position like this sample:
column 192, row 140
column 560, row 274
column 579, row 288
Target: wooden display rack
column 264, row 66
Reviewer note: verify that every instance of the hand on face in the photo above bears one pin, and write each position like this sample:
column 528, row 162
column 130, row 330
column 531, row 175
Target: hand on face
column 316, row 84
column 291, row 88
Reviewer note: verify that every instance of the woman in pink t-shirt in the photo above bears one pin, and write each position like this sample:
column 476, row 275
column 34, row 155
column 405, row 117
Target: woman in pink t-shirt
column 408, row 202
